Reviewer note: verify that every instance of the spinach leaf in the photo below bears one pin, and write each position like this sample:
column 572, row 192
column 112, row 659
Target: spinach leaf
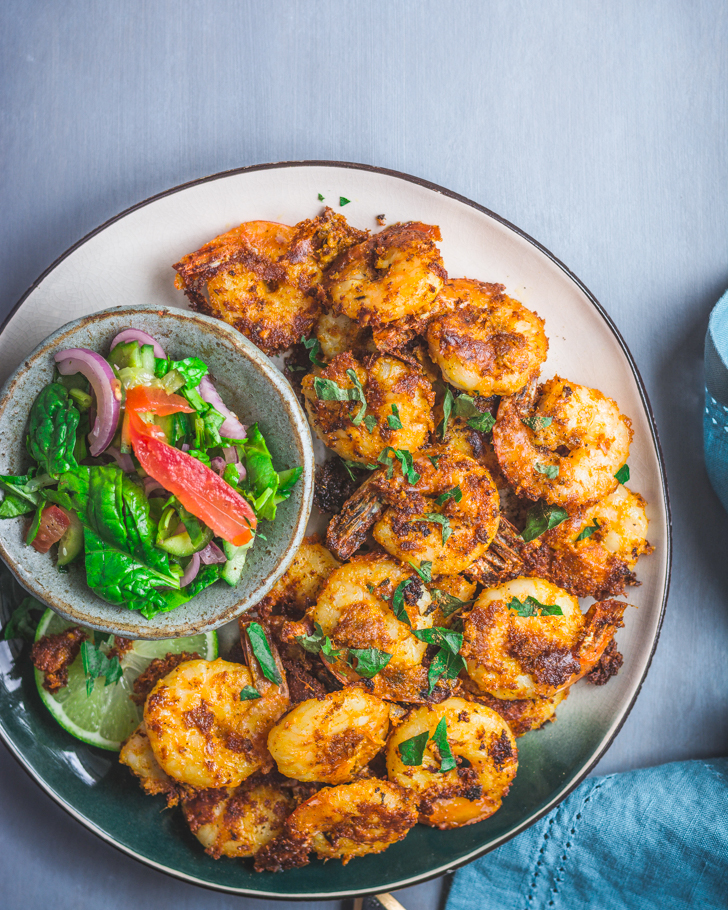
column 192, row 369
column 287, row 480
column 52, row 431
column 13, row 506
column 261, row 480
column 207, row 576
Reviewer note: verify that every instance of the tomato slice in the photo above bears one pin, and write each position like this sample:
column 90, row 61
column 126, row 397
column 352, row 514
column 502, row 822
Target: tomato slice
column 200, row 490
column 53, row 525
column 156, row 401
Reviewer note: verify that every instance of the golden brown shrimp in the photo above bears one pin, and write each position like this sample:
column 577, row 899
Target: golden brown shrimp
column 482, row 744
column 448, row 517
column 342, row 822
column 593, row 552
column 485, row 342
column 395, row 275
column 521, row 714
column 201, row 733
column 264, row 278
column 238, row 822
column 561, row 442
column 339, row 334
column 396, row 393
column 355, row 610
column 299, row 588
column 331, row 739
column 515, row 656
column 137, row 754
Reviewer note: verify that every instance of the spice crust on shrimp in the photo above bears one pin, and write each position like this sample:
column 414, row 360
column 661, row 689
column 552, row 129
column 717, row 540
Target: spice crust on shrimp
column 528, row 638
column 561, row 442
column 486, row 754
column 264, row 278
column 485, row 342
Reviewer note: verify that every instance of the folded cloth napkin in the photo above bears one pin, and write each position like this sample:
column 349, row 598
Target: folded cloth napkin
column 715, row 418
column 655, row 839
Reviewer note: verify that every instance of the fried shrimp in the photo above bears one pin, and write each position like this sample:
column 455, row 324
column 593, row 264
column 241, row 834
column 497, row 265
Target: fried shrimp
column 299, row 588
column 483, row 747
column 356, row 610
column 593, row 552
column 201, row 733
column 331, row 739
column 561, row 442
column 517, row 646
column 396, row 410
column 485, row 342
column 264, row 278
column 137, row 754
column 339, row 334
column 238, row 822
column 447, row 517
column 342, row 822
column 521, row 714
column 395, row 275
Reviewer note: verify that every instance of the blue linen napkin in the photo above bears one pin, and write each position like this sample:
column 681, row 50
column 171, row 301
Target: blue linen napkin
column 715, row 417
column 655, row 839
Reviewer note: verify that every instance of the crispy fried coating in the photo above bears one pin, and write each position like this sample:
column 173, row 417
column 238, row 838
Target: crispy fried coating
column 158, row 669
column 265, row 278
column 54, row 654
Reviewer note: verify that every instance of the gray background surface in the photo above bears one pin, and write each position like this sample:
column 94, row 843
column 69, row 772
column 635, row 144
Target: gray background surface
column 598, row 128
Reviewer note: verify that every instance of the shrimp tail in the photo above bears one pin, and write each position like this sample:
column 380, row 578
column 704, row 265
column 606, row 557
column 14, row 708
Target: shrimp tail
column 602, row 621
column 260, row 681
column 347, row 531
column 508, row 557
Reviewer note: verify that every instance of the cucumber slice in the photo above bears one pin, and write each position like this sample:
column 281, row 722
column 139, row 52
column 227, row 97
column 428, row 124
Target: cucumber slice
column 233, row 568
column 71, row 544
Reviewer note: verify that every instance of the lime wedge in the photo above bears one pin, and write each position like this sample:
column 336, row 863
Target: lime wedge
column 107, row 716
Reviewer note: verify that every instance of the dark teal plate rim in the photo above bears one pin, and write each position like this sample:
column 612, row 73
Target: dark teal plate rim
column 309, row 879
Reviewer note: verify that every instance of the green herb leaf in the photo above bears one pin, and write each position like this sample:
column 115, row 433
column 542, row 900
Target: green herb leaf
column 328, row 390
column 442, row 520
column 424, row 571
column 263, row 654
column 320, row 197
column 537, row 423
column 542, row 517
column 191, row 369
column 464, row 406
column 329, row 651
column 352, row 466
column 438, row 635
column 622, row 474
column 261, row 481
column 35, row 524
column 439, row 738
column 21, row 623
column 446, row 411
column 405, row 459
column 446, row 665
column 550, row 470
column 455, row 493
column 398, row 607
column 370, row 421
column 448, row 603
column 96, row 664
column 369, row 661
column 314, row 349
column 532, row 607
column 248, row 693
column 312, row 643
column 394, row 420
column 434, row 460
column 484, row 423
column 412, row 750
column 588, row 531
column 343, row 201
column 52, row 431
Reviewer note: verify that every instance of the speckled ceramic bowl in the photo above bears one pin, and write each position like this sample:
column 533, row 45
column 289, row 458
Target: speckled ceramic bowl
column 248, row 383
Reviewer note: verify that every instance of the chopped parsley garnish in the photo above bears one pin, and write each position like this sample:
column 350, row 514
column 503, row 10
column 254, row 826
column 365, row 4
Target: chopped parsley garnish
column 442, row 520
column 532, row 607
column 328, row 390
column 412, row 750
column 96, row 664
column 387, row 456
column 550, row 470
column 455, row 493
column 622, row 474
column 370, row 421
column 318, row 643
column 464, row 406
column 248, row 693
column 588, row 531
column 263, row 654
column 369, row 661
column 314, row 349
column 537, row 423
column 542, row 517
column 320, row 197
column 343, row 201
column 393, row 420
column 352, row 466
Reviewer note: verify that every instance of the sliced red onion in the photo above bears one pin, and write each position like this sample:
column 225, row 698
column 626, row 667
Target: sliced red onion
column 218, row 464
column 191, row 571
column 232, row 428
column 230, row 453
column 123, row 460
column 106, row 387
column 153, row 487
column 212, row 554
column 185, row 447
column 142, row 337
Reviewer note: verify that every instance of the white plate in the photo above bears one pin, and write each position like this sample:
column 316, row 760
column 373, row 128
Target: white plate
column 129, row 260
